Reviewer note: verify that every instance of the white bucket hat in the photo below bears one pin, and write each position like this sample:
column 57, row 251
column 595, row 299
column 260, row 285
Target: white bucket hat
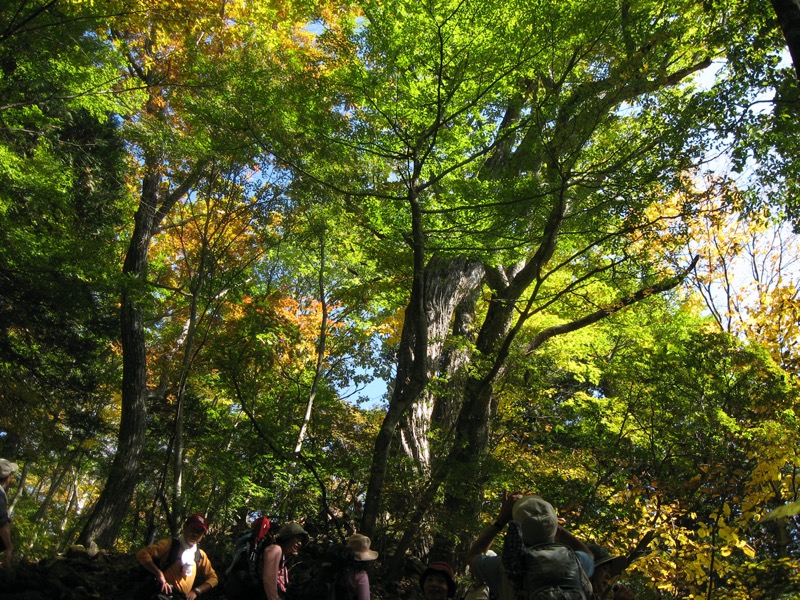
column 7, row 468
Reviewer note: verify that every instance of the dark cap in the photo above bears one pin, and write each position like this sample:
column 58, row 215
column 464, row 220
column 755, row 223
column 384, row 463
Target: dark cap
column 198, row 520
column 537, row 518
column 615, row 564
column 292, row 530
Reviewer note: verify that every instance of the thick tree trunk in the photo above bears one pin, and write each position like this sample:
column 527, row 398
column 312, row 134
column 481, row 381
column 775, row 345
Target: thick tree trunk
column 446, row 285
column 788, row 12
column 451, row 290
column 464, row 482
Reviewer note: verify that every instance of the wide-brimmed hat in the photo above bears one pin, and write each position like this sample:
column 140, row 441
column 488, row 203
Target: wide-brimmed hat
column 444, row 569
column 537, row 519
column 615, row 564
column 291, row 530
column 360, row 546
column 197, row 520
column 7, row 468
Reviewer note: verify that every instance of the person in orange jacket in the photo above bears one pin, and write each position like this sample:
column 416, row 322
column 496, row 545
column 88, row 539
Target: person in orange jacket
column 176, row 563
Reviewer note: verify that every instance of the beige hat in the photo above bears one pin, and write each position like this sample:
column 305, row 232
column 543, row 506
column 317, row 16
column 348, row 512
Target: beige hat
column 7, row 468
column 359, row 544
column 537, row 519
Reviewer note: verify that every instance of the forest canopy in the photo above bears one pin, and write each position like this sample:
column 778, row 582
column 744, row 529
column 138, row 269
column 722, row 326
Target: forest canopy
column 557, row 238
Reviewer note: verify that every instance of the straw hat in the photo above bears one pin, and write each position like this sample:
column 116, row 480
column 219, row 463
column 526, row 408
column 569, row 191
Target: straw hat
column 360, row 546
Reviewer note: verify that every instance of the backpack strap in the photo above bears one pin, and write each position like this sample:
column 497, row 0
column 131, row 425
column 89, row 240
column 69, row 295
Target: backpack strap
column 537, row 571
column 174, row 554
column 254, row 557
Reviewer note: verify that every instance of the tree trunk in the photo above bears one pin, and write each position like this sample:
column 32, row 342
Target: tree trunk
column 109, row 511
column 451, row 289
column 321, row 345
column 186, row 365
column 788, row 12
column 446, row 285
column 55, row 484
column 111, row 507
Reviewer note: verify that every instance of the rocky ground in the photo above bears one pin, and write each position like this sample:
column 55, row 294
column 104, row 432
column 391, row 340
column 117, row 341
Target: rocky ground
column 73, row 576
column 82, row 575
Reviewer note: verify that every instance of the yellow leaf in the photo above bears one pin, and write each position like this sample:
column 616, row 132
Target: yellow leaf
column 787, row 510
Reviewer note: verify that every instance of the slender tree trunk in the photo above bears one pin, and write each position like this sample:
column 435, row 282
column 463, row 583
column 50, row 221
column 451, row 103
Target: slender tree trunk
column 71, row 501
column 109, row 511
column 411, row 376
column 58, row 477
column 321, row 341
column 186, row 365
column 111, row 507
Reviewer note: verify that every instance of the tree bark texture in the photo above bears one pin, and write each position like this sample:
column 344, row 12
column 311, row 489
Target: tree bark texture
column 451, row 289
column 788, row 12
column 446, row 285
column 109, row 511
column 111, row 507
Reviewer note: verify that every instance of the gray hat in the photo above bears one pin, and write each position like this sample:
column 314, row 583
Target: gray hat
column 7, row 468
column 537, row 519
column 291, row 530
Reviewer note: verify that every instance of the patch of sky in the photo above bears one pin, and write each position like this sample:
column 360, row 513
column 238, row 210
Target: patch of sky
column 368, row 387
column 317, row 27
column 372, row 394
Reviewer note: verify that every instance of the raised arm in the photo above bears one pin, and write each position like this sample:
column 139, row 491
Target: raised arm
column 565, row 537
column 485, row 538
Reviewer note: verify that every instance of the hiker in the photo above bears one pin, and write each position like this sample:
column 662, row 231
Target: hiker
column 7, row 470
column 243, row 577
column 342, row 573
column 357, row 577
column 538, row 552
column 478, row 590
column 607, row 568
column 438, row 582
column 176, row 563
column 275, row 575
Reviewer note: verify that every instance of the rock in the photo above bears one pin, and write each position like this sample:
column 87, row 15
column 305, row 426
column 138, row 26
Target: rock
column 92, row 550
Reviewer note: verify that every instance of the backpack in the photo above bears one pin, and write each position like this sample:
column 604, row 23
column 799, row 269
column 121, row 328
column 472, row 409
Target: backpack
column 243, row 576
column 549, row 571
column 329, row 581
column 149, row 587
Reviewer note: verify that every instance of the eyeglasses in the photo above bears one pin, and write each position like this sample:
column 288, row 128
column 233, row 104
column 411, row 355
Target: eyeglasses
column 196, row 530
